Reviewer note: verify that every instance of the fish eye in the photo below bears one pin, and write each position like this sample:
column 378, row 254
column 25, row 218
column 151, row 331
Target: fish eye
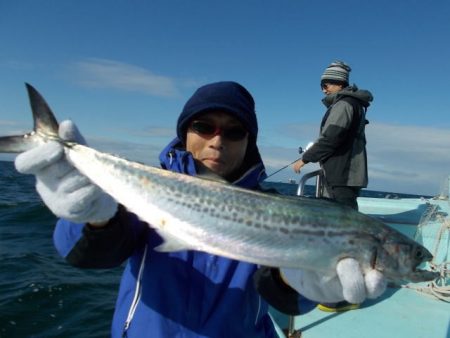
column 419, row 254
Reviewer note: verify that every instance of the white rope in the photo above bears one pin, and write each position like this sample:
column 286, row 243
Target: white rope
column 440, row 287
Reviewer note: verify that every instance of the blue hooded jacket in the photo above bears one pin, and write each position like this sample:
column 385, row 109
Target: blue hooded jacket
column 174, row 294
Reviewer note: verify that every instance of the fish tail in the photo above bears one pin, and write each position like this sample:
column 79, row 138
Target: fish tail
column 45, row 126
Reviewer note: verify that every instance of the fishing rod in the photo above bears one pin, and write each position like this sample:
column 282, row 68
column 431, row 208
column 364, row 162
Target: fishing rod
column 300, row 151
column 283, row 168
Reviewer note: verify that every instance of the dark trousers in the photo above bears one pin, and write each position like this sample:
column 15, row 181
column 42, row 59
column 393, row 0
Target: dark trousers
column 342, row 194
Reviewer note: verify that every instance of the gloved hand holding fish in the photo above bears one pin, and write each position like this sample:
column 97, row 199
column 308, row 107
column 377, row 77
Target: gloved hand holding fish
column 65, row 191
column 327, row 251
column 349, row 283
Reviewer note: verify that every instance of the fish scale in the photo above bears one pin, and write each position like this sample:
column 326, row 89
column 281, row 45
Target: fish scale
column 278, row 231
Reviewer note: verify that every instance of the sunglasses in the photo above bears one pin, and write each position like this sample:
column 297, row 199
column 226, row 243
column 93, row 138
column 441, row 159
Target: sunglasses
column 208, row 129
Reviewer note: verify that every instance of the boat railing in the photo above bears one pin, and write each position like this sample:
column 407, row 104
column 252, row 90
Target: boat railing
column 318, row 174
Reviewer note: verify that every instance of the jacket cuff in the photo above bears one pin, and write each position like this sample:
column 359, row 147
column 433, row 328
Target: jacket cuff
column 104, row 247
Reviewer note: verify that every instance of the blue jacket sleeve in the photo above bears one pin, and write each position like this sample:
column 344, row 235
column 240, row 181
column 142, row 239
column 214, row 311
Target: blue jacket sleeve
column 87, row 247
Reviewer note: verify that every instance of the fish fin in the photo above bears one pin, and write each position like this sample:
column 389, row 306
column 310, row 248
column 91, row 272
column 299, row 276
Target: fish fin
column 207, row 174
column 44, row 119
column 171, row 244
column 18, row 143
column 45, row 126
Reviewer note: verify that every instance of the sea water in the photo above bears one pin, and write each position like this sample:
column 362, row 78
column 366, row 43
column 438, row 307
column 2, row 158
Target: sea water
column 40, row 294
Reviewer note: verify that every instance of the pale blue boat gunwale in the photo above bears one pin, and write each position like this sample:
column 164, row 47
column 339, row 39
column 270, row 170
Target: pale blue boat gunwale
column 400, row 312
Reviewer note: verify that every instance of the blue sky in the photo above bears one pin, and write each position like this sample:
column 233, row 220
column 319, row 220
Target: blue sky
column 122, row 71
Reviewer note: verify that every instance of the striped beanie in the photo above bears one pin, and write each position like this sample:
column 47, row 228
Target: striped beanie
column 336, row 73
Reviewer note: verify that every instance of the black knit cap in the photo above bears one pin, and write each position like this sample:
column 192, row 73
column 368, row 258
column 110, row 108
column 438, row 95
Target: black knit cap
column 226, row 96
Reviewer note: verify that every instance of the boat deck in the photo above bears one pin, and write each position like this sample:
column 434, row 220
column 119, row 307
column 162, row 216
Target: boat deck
column 401, row 312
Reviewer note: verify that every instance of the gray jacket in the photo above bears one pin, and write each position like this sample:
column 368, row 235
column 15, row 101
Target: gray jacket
column 341, row 146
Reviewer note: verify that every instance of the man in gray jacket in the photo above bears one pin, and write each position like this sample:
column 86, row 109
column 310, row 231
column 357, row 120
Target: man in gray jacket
column 341, row 146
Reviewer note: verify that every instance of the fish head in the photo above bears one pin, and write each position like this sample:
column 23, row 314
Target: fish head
column 399, row 260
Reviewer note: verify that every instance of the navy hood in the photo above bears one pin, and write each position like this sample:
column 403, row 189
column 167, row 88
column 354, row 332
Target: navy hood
column 227, row 96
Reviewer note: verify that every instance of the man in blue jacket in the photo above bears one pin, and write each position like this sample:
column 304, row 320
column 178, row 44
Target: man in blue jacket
column 174, row 294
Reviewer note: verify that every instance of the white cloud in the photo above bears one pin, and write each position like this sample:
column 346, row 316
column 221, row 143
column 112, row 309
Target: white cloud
column 7, row 123
column 408, row 157
column 154, row 132
column 404, row 159
column 104, row 73
column 9, row 127
column 17, row 65
column 133, row 151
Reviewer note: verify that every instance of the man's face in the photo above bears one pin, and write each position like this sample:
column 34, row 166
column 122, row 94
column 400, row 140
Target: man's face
column 219, row 141
column 330, row 88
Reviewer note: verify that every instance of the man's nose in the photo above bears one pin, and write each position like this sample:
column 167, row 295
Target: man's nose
column 217, row 141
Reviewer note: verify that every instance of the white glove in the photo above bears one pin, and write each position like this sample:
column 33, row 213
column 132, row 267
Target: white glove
column 66, row 192
column 349, row 283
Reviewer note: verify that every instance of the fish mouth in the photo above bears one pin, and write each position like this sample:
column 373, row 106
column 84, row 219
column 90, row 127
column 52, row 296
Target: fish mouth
column 421, row 275
column 422, row 256
column 414, row 269
column 415, row 275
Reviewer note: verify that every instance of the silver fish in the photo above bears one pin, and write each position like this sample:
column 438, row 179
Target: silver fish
column 192, row 213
